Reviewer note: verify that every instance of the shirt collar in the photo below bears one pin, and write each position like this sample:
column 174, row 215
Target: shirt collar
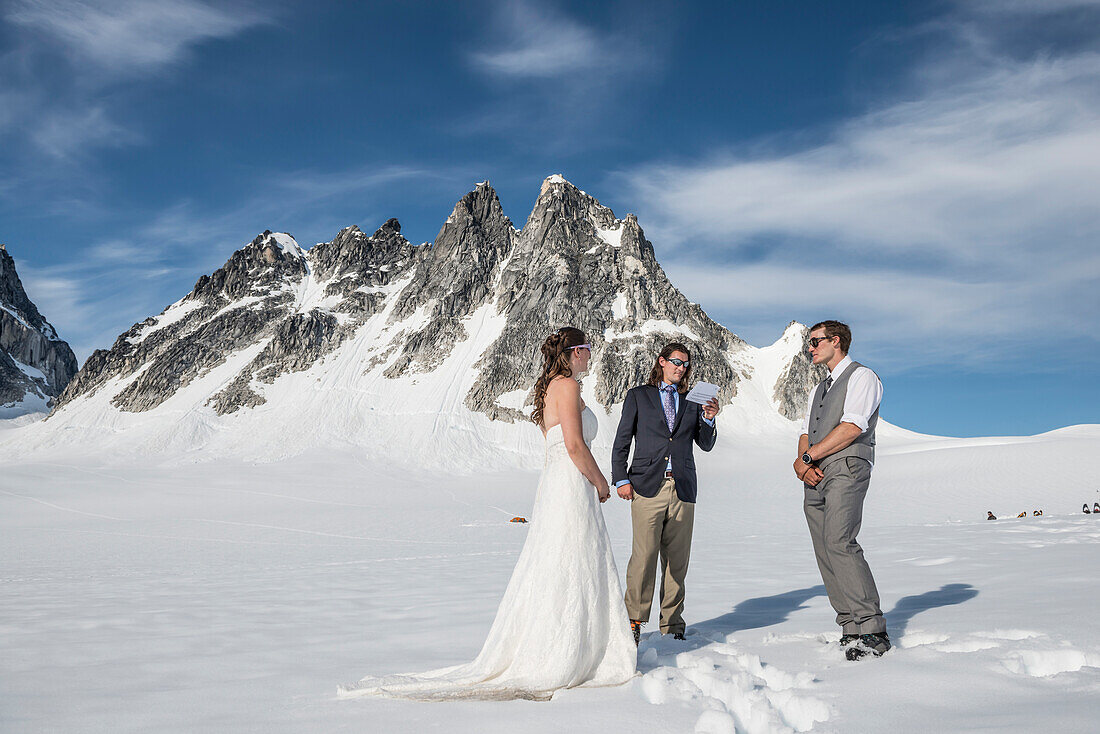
column 840, row 367
column 664, row 384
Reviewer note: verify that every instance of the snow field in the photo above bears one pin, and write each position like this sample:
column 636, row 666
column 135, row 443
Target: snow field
column 230, row 596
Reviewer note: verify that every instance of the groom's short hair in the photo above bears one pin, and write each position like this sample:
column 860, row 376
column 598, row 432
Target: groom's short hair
column 835, row 328
column 657, row 375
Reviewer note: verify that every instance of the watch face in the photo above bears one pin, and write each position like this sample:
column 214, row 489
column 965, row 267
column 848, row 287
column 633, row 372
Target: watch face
column 806, row 459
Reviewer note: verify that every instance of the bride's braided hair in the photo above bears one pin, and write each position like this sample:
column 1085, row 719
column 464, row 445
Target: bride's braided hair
column 555, row 356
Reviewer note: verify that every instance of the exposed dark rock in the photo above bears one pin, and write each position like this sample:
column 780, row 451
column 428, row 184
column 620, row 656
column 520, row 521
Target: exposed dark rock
column 575, row 264
column 795, row 382
column 251, row 270
column 27, row 339
column 454, row 279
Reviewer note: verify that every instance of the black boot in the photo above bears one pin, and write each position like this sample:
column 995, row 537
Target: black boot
column 846, row 640
column 876, row 643
column 636, row 628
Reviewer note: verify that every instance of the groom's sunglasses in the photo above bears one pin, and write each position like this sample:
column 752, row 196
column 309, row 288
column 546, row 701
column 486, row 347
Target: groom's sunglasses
column 680, row 362
column 815, row 340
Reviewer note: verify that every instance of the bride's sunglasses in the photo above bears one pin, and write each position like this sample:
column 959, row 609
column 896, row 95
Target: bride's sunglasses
column 583, row 346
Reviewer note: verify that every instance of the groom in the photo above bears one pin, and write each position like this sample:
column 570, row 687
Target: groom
column 661, row 484
column 835, row 454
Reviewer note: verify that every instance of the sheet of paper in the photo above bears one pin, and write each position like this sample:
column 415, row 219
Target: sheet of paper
column 702, row 392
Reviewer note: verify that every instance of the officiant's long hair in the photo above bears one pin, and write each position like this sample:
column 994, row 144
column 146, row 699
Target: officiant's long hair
column 656, row 375
column 555, row 361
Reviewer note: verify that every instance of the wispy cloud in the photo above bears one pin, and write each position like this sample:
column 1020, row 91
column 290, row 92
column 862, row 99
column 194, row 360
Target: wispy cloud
column 961, row 216
column 537, row 41
column 956, row 171
column 130, row 37
column 555, row 74
column 61, row 132
column 71, row 55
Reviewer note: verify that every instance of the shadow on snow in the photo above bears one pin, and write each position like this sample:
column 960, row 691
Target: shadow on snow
column 897, row 619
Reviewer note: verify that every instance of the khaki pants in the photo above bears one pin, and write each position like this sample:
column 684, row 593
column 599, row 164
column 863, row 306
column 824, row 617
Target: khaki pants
column 662, row 526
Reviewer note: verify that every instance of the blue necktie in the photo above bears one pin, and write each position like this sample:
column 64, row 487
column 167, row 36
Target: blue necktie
column 670, row 405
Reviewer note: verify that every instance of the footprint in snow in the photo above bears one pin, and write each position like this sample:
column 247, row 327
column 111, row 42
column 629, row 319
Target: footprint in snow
column 739, row 692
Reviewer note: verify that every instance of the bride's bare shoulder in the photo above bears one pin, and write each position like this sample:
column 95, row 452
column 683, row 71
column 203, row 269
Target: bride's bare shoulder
column 563, row 385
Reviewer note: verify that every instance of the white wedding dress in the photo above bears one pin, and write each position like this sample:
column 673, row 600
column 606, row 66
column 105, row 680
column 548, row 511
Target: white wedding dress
column 562, row 622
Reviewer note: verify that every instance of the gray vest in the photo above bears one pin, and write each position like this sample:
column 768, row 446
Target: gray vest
column 825, row 414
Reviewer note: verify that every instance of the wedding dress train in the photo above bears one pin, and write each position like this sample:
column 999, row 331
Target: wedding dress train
column 562, row 622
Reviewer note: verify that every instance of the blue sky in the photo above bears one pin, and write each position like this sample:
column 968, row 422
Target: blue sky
column 926, row 171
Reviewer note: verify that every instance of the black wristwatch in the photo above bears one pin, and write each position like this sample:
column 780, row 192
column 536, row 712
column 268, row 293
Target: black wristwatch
column 807, row 460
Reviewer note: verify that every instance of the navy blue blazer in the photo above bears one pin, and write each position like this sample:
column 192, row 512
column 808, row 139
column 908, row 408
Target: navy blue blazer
column 644, row 422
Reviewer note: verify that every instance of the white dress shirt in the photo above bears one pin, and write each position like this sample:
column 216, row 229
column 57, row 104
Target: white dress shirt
column 862, row 400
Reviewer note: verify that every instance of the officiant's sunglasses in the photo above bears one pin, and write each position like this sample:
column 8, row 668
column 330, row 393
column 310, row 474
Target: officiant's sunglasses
column 583, row 346
column 815, row 340
column 680, row 362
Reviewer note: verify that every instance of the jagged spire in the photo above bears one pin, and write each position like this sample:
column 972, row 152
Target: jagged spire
column 35, row 365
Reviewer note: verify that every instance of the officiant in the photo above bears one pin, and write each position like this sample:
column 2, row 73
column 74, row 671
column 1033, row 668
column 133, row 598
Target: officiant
column 661, row 485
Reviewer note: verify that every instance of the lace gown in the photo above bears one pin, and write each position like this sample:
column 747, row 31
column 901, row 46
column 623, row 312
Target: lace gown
column 562, row 622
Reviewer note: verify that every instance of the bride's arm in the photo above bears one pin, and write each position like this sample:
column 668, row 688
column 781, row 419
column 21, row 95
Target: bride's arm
column 566, row 394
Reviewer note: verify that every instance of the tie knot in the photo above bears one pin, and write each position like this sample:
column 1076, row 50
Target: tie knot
column 669, row 388
column 828, row 382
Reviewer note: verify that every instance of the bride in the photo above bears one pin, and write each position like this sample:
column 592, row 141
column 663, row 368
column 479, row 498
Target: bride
column 562, row 622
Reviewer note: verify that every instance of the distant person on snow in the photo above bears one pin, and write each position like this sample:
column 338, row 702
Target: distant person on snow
column 1085, row 508
column 835, row 454
column 1096, row 506
column 1022, row 514
column 990, row 515
column 1037, row 513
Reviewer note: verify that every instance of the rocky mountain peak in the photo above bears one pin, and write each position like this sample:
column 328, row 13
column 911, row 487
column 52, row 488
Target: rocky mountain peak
column 261, row 264
column 799, row 376
column 35, row 365
column 454, row 279
column 458, row 321
column 373, row 260
column 14, row 298
column 389, row 229
column 576, row 264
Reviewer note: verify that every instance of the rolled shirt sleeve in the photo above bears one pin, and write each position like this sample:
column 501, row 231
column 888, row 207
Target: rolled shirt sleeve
column 863, row 398
column 809, row 408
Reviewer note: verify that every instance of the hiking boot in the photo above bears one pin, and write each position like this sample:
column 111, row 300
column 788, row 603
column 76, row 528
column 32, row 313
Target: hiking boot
column 846, row 640
column 636, row 628
column 678, row 635
column 876, row 643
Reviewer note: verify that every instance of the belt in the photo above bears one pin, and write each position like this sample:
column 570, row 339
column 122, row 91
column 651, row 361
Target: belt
column 668, row 475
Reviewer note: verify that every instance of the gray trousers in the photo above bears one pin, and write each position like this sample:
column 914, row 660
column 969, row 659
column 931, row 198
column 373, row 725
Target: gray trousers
column 662, row 527
column 834, row 512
